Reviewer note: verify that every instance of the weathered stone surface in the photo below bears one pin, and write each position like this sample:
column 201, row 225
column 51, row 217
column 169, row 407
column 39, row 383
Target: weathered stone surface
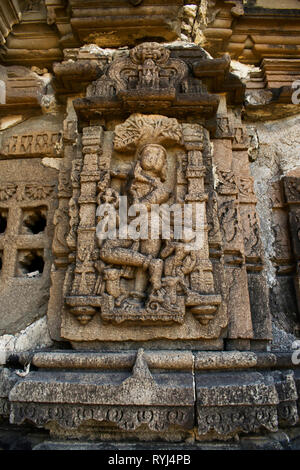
column 287, row 394
column 80, row 393
column 27, row 199
column 10, row 15
column 91, row 284
column 94, row 285
column 95, row 107
column 33, row 40
column 20, row 87
column 35, row 137
column 171, row 360
column 275, row 159
column 35, row 336
column 8, row 379
column 228, row 403
column 282, row 341
column 45, row 27
column 104, row 24
column 156, row 400
column 249, row 32
column 148, row 80
column 160, row 359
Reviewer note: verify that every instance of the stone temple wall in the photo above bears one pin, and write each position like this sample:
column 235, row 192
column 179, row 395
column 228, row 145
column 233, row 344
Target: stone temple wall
column 167, row 105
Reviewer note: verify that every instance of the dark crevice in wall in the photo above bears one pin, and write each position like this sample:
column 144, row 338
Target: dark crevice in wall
column 3, row 221
column 31, row 262
column 35, row 220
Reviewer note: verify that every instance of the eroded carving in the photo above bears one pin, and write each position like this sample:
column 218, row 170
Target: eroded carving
column 35, row 143
column 149, row 80
column 231, row 419
column 146, row 279
column 30, row 191
column 128, row 418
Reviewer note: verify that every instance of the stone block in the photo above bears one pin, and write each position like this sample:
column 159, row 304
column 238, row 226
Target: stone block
column 127, row 401
column 229, row 403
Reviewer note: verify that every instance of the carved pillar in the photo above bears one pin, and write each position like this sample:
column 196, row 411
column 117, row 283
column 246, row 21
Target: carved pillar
column 292, row 194
column 61, row 247
column 202, row 277
column 83, row 284
column 257, row 287
column 239, row 313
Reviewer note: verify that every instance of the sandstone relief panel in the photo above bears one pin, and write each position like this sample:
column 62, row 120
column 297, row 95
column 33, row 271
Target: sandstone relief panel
column 35, row 137
column 133, row 171
column 129, row 214
column 153, row 147
column 151, row 280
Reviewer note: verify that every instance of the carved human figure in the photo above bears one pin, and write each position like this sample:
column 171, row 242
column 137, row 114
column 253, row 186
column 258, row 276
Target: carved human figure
column 149, row 176
column 146, row 187
column 149, row 74
column 178, row 263
column 61, row 229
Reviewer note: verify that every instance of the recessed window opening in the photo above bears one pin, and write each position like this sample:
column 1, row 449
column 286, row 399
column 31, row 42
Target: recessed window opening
column 31, row 263
column 35, row 220
column 3, row 220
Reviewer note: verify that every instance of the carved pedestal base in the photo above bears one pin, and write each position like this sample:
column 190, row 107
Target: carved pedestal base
column 154, row 313
column 229, row 403
column 210, row 396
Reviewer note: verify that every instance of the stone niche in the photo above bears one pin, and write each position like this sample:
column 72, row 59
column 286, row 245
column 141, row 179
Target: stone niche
column 158, row 127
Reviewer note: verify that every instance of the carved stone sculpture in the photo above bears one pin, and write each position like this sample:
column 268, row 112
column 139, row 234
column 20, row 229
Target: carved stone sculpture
column 148, row 169
column 145, row 240
column 146, row 281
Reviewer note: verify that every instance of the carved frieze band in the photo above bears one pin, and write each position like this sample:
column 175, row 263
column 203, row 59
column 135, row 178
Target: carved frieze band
column 33, row 144
column 28, row 191
column 233, row 419
column 127, row 418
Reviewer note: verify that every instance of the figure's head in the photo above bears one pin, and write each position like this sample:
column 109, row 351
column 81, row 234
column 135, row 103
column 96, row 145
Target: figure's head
column 153, row 158
column 149, row 64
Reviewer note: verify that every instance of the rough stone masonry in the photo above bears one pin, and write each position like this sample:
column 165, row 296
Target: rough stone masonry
column 176, row 108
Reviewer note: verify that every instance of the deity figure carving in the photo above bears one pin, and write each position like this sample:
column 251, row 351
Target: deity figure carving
column 144, row 275
column 146, row 187
column 134, row 269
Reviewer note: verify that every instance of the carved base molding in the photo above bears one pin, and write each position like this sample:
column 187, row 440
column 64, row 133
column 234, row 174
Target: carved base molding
column 229, row 403
column 233, row 419
column 127, row 418
column 90, row 394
